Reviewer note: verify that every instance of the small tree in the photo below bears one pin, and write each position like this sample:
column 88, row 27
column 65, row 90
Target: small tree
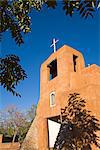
column 14, row 124
column 78, row 127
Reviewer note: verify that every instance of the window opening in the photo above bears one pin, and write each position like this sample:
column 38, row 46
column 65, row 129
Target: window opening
column 52, row 99
column 53, row 69
column 74, row 62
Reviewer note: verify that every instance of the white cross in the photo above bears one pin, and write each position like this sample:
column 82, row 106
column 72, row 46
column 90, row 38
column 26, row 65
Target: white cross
column 54, row 41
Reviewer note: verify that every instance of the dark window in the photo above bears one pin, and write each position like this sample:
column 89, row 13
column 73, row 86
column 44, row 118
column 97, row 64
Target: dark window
column 75, row 62
column 53, row 69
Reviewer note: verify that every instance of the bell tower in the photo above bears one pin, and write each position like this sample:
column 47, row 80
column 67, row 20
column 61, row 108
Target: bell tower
column 55, row 78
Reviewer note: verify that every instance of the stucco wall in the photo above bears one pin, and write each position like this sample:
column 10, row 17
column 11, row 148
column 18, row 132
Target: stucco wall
column 9, row 146
column 86, row 81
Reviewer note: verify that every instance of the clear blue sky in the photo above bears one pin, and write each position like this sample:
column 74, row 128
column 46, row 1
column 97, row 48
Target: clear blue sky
column 81, row 34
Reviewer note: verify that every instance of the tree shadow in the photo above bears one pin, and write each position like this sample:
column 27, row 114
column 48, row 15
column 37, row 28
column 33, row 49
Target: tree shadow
column 78, row 127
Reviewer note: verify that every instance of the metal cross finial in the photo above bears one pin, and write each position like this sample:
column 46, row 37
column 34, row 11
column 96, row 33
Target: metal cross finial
column 54, row 41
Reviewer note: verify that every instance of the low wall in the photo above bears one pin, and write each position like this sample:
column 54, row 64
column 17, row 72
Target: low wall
column 9, row 146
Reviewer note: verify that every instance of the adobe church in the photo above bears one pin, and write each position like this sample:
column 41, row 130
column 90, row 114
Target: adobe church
column 64, row 72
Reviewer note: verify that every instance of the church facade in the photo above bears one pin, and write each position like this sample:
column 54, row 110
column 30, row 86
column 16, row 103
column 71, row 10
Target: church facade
column 63, row 73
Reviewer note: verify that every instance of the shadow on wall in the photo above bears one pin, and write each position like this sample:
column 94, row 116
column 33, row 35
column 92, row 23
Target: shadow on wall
column 78, row 127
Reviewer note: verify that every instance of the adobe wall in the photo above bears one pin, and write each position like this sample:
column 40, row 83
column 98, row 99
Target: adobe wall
column 31, row 140
column 9, row 146
column 85, row 81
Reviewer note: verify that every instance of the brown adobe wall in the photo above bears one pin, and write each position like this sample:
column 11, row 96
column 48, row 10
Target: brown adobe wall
column 86, row 82
column 31, row 140
column 9, row 146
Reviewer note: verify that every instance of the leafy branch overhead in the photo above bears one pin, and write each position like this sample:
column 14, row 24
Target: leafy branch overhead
column 16, row 13
column 78, row 127
column 11, row 73
column 15, row 17
column 85, row 8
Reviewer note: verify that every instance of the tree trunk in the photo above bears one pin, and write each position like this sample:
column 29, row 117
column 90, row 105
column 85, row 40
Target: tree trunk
column 13, row 140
